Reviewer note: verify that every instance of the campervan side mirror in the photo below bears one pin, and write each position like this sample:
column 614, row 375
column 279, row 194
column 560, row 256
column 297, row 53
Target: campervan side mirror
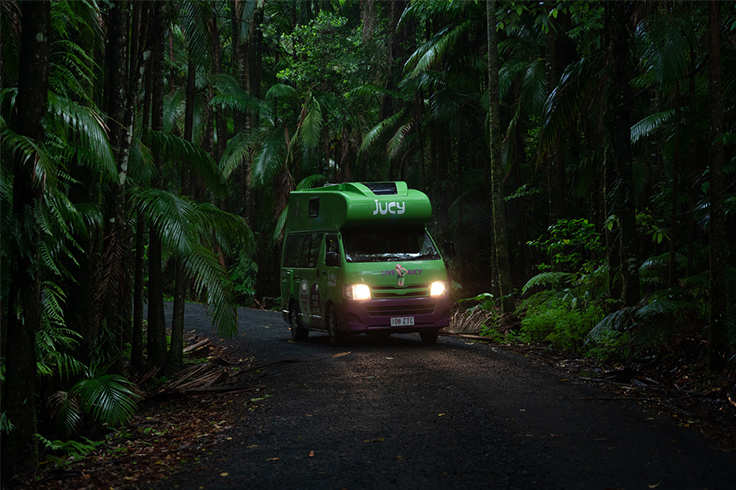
column 332, row 259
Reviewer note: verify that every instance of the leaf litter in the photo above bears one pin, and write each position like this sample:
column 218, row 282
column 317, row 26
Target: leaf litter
column 177, row 423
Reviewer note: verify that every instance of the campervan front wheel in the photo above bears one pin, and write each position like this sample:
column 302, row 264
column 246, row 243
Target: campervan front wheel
column 336, row 338
column 298, row 331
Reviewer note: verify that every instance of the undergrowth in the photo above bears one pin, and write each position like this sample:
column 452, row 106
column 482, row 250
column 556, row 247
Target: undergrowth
column 567, row 307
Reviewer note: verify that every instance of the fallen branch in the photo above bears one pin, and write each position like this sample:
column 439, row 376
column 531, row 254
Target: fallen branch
column 196, row 346
column 466, row 336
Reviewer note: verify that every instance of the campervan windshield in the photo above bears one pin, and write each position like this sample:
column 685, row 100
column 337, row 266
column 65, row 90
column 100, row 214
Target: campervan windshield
column 384, row 245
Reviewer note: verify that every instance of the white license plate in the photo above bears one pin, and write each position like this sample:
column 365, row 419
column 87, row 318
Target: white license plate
column 402, row 321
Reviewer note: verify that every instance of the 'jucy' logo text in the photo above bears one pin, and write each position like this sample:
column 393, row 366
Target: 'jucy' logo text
column 393, row 207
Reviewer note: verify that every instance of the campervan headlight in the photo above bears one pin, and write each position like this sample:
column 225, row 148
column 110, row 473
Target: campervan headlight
column 358, row 292
column 437, row 289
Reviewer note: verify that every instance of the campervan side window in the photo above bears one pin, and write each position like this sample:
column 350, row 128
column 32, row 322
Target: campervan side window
column 301, row 249
column 314, row 207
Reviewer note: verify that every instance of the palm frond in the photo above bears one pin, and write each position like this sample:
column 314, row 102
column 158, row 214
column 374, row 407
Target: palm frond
column 370, row 89
column 65, row 411
column 396, row 143
column 173, row 112
column 211, row 279
column 237, row 151
column 194, row 25
column 534, row 86
column 665, row 302
column 241, row 101
column 378, row 131
column 670, row 40
column 437, row 47
column 107, row 397
column 546, row 280
column 566, row 101
column 174, row 148
column 316, row 180
column 230, row 93
column 172, row 216
column 270, row 157
column 280, row 91
column 278, row 230
column 88, row 126
column 311, row 126
column 649, row 124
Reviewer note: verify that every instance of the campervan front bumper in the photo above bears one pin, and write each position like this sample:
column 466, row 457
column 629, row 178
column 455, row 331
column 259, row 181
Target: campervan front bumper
column 395, row 315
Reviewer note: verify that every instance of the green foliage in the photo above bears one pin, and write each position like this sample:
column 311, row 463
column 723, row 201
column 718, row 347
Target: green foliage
column 546, row 280
column 193, row 232
column 660, row 325
column 572, row 244
column 553, row 318
column 326, row 54
column 106, row 398
column 54, row 340
column 5, row 424
column 68, row 451
column 651, row 226
column 244, row 272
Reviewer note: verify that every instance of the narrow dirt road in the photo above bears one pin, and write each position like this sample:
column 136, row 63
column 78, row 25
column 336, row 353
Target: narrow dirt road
column 394, row 413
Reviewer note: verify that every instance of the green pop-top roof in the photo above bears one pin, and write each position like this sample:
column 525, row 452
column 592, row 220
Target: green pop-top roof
column 353, row 204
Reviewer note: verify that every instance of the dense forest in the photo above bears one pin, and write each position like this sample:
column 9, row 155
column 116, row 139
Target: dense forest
column 578, row 154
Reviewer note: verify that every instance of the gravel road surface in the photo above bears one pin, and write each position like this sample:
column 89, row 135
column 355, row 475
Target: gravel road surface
column 395, row 413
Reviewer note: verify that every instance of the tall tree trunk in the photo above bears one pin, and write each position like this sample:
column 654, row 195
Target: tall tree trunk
column 117, row 245
column 19, row 447
column 496, row 141
column 368, row 16
column 139, row 66
column 554, row 169
column 218, row 113
column 254, row 67
column 616, row 14
column 718, row 343
column 181, row 281
column 156, row 321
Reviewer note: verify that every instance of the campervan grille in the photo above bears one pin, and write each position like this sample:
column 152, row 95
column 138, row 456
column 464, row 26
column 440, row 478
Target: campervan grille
column 416, row 291
column 389, row 310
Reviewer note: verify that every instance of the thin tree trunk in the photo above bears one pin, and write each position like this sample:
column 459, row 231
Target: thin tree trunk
column 718, row 344
column 497, row 205
column 181, row 282
column 621, row 139
column 156, row 322
column 136, row 355
column 19, row 447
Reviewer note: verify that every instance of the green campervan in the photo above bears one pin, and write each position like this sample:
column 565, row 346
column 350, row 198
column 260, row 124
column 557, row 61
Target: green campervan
column 357, row 258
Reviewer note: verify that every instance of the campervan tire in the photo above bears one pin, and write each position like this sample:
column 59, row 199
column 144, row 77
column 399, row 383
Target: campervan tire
column 336, row 338
column 298, row 331
column 430, row 336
